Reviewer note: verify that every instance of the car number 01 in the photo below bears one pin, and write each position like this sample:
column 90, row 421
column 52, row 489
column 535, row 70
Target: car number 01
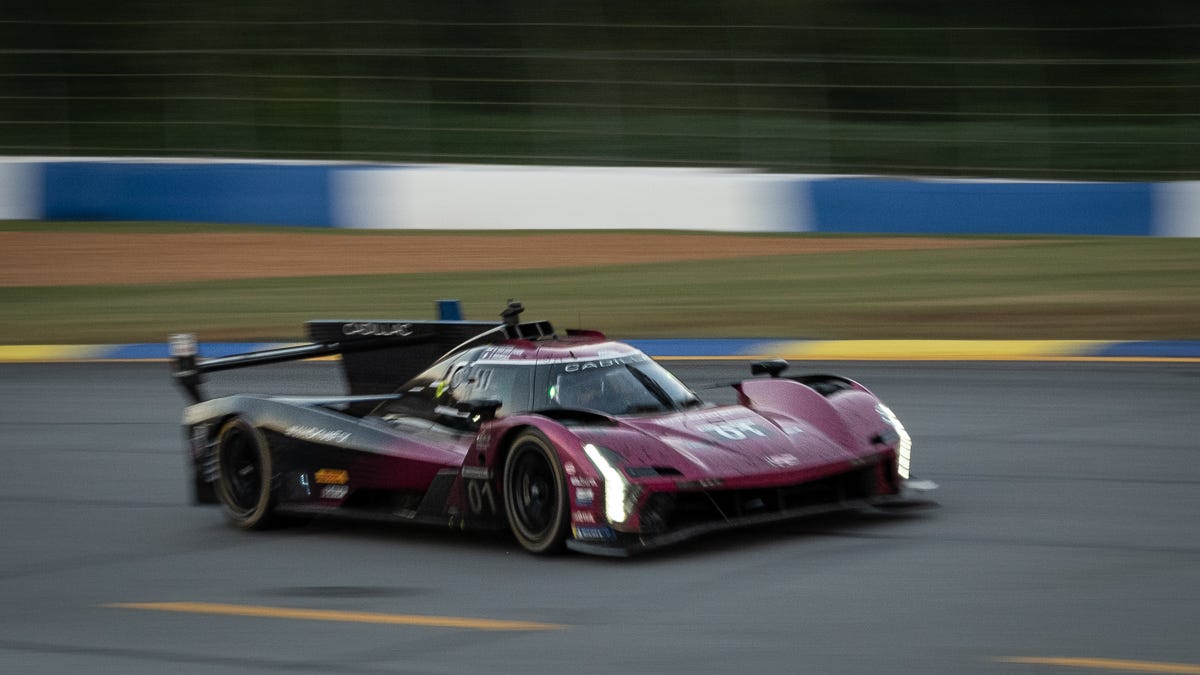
column 478, row 492
column 733, row 430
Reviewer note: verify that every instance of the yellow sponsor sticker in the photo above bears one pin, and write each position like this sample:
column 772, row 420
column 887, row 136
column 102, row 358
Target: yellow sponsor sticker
column 332, row 476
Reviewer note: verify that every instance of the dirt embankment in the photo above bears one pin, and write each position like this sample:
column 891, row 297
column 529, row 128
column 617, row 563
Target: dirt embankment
column 69, row 258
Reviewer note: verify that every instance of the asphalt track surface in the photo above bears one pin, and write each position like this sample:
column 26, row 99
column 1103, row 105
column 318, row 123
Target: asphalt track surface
column 1068, row 529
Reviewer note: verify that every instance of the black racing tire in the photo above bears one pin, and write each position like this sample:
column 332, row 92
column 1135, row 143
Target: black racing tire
column 535, row 494
column 244, row 474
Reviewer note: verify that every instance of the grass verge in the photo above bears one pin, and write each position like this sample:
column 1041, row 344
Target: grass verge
column 1068, row 288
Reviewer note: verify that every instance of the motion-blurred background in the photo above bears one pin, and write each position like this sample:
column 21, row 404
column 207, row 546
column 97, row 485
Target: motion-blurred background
column 1070, row 489
column 1062, row 90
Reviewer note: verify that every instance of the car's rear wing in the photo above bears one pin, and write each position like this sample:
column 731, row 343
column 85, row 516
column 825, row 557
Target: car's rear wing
column 377, row 356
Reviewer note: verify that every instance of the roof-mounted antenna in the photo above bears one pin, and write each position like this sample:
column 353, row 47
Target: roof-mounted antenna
column 515, row 330
column 512, row 313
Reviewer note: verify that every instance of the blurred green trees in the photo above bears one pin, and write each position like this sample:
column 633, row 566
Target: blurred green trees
column 1095, row 90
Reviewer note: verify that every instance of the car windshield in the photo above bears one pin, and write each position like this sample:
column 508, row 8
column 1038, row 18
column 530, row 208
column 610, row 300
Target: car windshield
column 623, row 385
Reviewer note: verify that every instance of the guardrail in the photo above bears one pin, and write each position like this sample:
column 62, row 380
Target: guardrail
column 488, row 197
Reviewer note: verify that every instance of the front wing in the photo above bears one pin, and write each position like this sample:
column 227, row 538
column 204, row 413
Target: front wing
column 912, row 495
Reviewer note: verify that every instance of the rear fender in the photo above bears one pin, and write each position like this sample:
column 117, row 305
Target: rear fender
column 200, row 440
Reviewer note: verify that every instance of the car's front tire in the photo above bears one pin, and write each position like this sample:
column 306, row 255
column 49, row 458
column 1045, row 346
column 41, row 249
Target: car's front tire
column 244, row 475
column 535, row 494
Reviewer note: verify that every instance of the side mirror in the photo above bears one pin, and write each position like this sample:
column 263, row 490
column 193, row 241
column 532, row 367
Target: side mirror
column 773, row 367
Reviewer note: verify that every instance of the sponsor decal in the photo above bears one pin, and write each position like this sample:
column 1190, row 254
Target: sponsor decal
column 584, row 496
column 334, row 492
column 583, row 481
column 332, row 476
column 782, row 461
column 297, row 485
column 498, row 354
column 477, row 472
column 377, row 329
column 317, row 434
column 605, row 363
column 569, row 467
column 593, row 532
column 583, row 517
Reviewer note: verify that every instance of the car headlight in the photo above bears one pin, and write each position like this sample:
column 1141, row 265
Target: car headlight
column 904, row 446
column 617, row 493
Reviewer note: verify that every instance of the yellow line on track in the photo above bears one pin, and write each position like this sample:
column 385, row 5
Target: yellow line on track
column 1107, row 664
column 335, row 615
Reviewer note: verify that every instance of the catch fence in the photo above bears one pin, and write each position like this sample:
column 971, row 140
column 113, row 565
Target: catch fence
column 853, row 89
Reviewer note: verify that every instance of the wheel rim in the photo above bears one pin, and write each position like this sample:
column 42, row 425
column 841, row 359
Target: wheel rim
column 535, row 494
column 244, row 470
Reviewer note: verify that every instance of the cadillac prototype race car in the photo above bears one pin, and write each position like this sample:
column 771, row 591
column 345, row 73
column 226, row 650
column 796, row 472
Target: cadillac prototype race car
column 568, row 440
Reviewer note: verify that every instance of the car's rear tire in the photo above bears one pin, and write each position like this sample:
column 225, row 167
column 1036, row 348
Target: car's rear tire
column 244, row 475
column 535, row 494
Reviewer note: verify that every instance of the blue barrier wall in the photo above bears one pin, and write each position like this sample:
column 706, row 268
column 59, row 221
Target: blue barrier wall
column 269, row 194
column 976, row 207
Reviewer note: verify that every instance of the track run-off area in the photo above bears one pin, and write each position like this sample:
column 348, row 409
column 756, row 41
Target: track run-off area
column 1066, row 541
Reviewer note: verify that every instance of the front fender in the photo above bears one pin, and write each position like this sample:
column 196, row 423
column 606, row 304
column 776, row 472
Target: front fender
column 568, row 446
column 585, row 485
column 799, row 402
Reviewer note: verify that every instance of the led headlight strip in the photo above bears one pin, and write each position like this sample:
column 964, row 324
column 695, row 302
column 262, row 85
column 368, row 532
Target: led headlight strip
column 904, row 447
column 616, row 486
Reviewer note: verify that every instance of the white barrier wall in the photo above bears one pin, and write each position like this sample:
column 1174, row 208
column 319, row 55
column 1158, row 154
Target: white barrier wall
column 20, row 190
column 1177, row 209
column 535, row 198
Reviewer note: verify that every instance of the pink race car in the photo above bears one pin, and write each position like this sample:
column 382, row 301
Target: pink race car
column 567, row 440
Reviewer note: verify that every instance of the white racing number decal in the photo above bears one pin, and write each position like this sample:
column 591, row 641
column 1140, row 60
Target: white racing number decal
column 480, row 497
column 733, row 430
